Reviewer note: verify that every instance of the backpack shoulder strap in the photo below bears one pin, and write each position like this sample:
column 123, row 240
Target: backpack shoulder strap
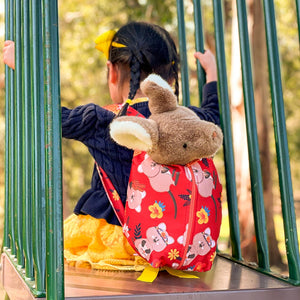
column 110, row 190
column 112, row 194
column 115, row 108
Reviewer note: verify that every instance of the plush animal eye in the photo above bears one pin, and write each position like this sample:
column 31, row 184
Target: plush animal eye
column 201, row 245
column 184, row 145
column 206, row 174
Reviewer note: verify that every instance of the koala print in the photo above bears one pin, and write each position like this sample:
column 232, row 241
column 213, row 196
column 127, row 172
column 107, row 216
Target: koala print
column 159, row 176
column 135, row 195
column 157, row 239
column 182, row 239
column 202, row 244
column 143, row 247
column 204, row 180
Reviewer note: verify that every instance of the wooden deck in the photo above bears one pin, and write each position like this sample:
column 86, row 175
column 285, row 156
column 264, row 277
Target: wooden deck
column 226, row 280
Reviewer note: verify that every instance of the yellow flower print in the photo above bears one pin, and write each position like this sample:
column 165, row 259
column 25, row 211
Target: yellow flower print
column 115, row 195
column 173, row 254
column 157, row 210
column 200, row 267
column 203, row 215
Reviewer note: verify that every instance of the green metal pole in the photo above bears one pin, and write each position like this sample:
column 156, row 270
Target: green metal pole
column 283, row 161
column 18, row 135
column 226, row 127
column 54, row 224
column 8, row 158
column 199, row 41
column 27, row 159
column 254, row 162
column 11, row 201
column 39, row 196
column 298, row 17
column 183, row 54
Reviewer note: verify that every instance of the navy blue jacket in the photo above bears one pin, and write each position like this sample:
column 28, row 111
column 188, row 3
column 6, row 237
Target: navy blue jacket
column 89, row 125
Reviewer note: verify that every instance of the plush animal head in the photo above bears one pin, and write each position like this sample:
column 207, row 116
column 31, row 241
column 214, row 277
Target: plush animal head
column 173, row 134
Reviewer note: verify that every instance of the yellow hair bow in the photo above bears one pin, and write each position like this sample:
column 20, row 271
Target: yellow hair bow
column 103, row 42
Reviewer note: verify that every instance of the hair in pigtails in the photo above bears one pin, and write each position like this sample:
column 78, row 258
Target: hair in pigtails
column 176, row 84
column 135, row 76
column 146, row 49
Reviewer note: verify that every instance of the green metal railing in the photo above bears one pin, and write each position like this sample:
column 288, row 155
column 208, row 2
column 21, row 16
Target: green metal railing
column 33, row 236
column 254, row 161
column 285, row 182
column 283, row 161
column 33, row 192
column 226, row 127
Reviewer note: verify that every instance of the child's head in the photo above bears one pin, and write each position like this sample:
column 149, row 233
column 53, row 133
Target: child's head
column 148, row 49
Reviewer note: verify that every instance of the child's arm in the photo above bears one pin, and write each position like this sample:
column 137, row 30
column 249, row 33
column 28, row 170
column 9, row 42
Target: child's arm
column 83, row 123
column 9, row 54
column 209, row 109
column 208, row 63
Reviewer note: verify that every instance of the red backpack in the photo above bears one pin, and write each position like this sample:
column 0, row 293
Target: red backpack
column 173, row 213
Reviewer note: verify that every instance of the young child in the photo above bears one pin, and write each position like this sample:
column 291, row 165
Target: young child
column 92, row 235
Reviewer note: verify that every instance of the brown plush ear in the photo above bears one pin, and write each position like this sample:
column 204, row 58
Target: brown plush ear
column 134, row 133
column 160, row 94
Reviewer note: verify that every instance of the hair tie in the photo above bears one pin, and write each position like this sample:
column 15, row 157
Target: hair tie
column 124, row 108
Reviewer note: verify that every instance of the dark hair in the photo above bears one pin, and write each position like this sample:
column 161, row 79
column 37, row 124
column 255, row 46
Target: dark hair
column 149, row 49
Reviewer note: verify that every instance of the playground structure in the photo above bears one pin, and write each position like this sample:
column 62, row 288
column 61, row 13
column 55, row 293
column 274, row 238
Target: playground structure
column 32, row 259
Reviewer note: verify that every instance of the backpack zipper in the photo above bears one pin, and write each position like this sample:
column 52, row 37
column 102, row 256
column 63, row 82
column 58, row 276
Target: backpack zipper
column 191, row 216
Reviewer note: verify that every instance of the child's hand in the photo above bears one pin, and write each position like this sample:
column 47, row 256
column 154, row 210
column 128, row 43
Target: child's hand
column 208, row 63
column 9, row 54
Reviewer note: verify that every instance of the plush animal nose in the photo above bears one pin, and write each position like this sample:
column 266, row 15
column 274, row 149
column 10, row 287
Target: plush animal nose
column 214, row 134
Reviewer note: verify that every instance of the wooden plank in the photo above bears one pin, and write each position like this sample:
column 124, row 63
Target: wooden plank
column 13, row 283
column 225, row 279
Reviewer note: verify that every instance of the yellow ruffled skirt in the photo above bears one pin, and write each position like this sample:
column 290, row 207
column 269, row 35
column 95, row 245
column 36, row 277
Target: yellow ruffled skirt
column 93, row 243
